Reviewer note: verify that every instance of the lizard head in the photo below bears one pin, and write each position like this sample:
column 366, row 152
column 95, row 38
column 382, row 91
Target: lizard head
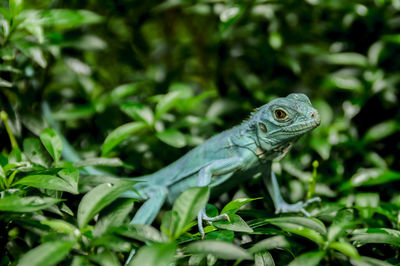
column 282, row 121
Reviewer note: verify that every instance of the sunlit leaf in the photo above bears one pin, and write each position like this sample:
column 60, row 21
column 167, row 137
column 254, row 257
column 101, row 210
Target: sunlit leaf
column 98, row 198
column 76, row 112
column 376, row 238
column 263, row 258
column 60, row 226
column 219, row 249
column 35, row 152
column 381, row 131
column 140, row 232
column 345, row 248
column 139, row 112
column 172, row 137
column 353, row 59
column 111, row 162
column 168, row 101
column 296, row 221
column 234, row 205
column 47, row 182
column 156, row 254
column 60, row 18
column 236, row 224
column 119, row 134
column 49, row 253
column 52, row 142
column 26, row 204
column 270, row 243
column 187, row 206
column 310, row 259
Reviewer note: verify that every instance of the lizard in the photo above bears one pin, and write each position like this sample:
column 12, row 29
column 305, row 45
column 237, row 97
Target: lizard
column 232, row 156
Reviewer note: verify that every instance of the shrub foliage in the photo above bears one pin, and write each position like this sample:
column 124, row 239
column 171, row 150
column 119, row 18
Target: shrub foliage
column 133, row 85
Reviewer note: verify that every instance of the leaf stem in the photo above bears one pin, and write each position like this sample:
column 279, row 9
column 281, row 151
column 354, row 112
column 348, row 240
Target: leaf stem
column 313, row 180
column 4, row 118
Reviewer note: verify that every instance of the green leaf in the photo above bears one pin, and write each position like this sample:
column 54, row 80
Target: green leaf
column 15, row 7
column 111, row 242
column 60, row 18
column 123, row 91
column 141, row 232
column 234, row 205
column 236, row 224
column 52, row 142
column 381, row 131
column 172, row 137
column 219, row 249
column 98, row 198
column 111, row 162
column 376, row 238
column 26, row 204
column 229, row 16
column 139, row 112
column 186, row 207
column 60, row 226
column 74, row 113
column 105, row 258
column 5, row 83
column 351, row 59
column 345, row 248
column 310, row 259
column 296, row 221
column 367, row 261
column 367, row 200
column 344, row 219
column 221, row 235
column 156, row 254
column 119, row 134
column 307, row 233
column 31, row 51
column 71, row 176
column 34, row 151
column 270, row 243
column 345, row 82
column 49, row 253
column 115, row 215
column 393, row 38
column 263, row 258
column 35, row 30
column 47, row 182
column 373, row 177
column 167, row 102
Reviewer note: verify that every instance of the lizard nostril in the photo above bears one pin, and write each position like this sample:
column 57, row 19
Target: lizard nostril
column 312, row 115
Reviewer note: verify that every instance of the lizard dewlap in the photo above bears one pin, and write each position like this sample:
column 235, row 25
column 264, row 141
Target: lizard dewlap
column 231, row 157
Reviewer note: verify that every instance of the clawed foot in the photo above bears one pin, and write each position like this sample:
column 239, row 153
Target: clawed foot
column 202, row 216
column 297, row 207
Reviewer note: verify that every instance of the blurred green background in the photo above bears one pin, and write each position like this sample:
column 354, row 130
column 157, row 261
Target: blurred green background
column 163, row 76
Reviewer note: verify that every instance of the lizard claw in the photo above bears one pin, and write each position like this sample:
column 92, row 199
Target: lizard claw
column 297, row 207
column 202, row 216
column 227, row 217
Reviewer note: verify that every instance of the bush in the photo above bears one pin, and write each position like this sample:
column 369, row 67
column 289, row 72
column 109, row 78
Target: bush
column 135, row 85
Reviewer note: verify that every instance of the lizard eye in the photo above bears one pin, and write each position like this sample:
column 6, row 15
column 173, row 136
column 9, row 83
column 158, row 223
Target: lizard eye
column 280, row 114
column 262, row 127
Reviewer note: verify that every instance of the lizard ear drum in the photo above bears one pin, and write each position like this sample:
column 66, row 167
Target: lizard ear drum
column 262, row 127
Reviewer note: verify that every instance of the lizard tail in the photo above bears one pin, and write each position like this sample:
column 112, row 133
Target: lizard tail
column 68, row 153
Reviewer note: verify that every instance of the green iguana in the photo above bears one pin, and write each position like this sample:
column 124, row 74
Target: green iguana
column 231, row 157
column 226, row 159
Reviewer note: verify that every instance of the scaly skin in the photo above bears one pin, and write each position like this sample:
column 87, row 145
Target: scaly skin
column 233, row 156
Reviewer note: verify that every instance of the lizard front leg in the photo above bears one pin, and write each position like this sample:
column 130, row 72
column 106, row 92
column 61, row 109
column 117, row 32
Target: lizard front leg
column 219, row 167
column 280, row 205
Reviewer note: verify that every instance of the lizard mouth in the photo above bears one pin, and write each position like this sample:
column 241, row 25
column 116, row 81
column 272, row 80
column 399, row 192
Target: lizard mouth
column 302, row 127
